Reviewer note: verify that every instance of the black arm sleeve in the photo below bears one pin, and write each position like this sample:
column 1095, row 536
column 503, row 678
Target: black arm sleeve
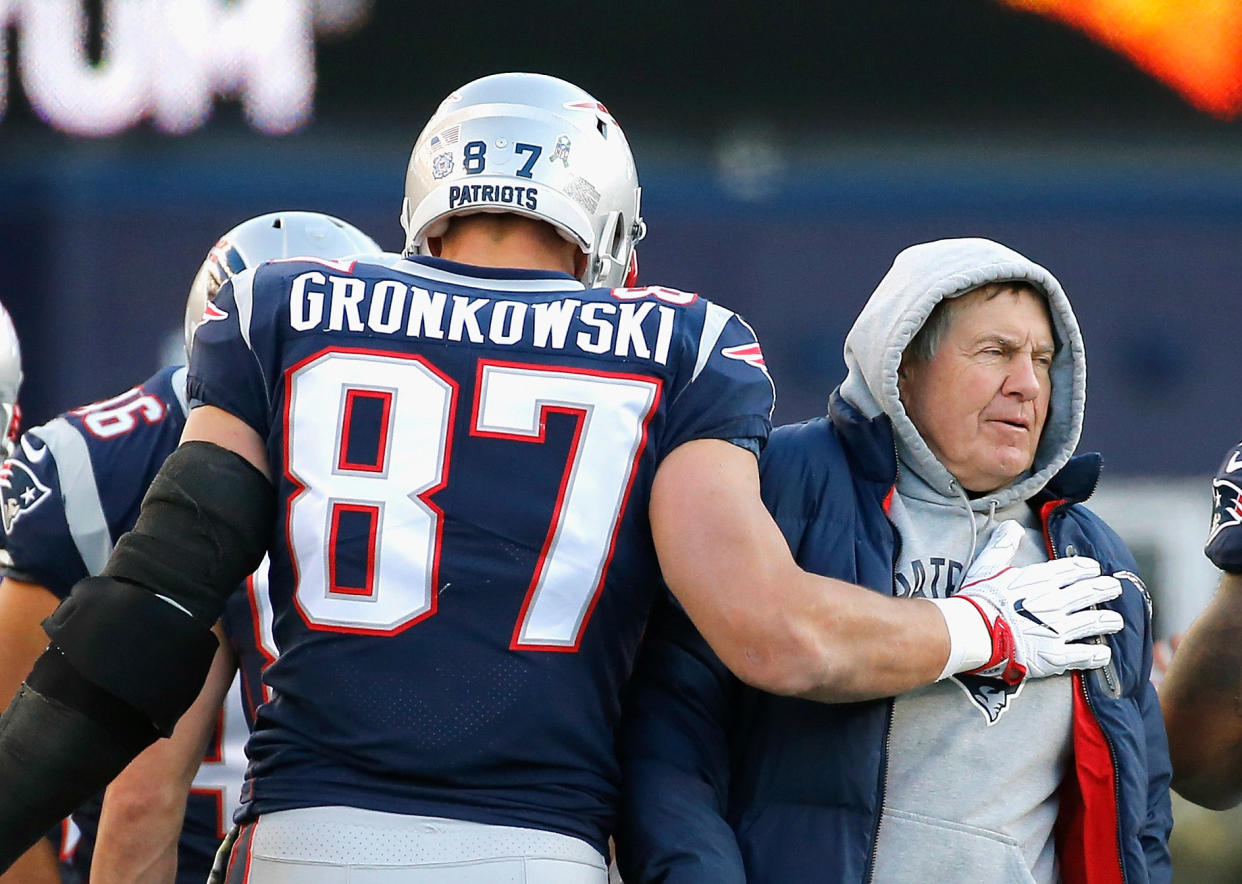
column 53, row 756
column 204, row 528
column 130, row 649
column 142, row 631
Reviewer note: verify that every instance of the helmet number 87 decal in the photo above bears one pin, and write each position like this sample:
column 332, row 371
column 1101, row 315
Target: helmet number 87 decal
column 474, row 157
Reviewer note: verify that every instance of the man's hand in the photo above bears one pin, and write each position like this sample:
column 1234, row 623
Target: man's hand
column 1037, row 614
column 1224, row 542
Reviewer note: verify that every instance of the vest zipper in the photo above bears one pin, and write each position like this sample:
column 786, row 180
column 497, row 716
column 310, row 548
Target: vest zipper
column 879, row 816
column 1109, row 681
column 888, row 723
column 1105, row 675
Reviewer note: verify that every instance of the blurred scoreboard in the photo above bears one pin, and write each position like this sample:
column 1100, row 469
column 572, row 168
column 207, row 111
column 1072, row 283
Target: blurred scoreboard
column 168, row 60
column 97, row 68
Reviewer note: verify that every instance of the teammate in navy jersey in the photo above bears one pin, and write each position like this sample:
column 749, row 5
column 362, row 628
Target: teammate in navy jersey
column 70, row 490
column 39, row 864
column 464, row 464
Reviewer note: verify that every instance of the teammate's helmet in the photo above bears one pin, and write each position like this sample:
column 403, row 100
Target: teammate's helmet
column 531, row 145
column 10, row 381
column 276, row 235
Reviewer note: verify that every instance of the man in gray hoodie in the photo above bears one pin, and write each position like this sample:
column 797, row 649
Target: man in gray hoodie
column 953, row 432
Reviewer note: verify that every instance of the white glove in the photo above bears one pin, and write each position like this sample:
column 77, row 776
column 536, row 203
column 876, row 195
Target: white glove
column 1034, row 616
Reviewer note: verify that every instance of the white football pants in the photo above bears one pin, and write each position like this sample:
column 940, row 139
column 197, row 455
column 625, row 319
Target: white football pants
column 346, row 845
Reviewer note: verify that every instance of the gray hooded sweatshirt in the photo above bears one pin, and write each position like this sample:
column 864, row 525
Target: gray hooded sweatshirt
column 973, row 765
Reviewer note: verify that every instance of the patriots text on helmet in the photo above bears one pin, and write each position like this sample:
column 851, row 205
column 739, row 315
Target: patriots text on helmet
column 548, row 149
column 468, row 194
column 325, row 302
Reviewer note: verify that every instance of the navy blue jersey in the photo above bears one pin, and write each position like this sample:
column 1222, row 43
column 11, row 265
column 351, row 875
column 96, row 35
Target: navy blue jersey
column 105, row 454
column 248, row 625
column 70, row 490
column 462, row 563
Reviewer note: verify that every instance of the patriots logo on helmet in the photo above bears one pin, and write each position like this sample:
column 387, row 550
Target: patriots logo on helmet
column 212, row 313
column 20, row 491
column 592, row 106
column 990, row 695
column 1226, row 507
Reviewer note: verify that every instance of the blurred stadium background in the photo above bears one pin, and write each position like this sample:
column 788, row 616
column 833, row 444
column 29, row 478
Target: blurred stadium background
column 788, row 150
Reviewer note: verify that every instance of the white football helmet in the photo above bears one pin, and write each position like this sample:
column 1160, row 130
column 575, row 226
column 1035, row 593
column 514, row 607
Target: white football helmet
column 275, row 235
column 536, row 146
column 10, row 381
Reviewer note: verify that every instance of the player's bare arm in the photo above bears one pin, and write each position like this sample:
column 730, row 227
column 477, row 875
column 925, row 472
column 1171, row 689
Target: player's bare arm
column 776, row 626
column 38, row 865
column 1201, row 698
column 787, row 631
column 22, row 608
column 216, row 426
column 144, row 806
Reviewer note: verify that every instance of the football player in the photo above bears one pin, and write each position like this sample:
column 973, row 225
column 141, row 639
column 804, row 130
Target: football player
column 38, row 866
column 464, row 464
column 1199, row 694
column 73, row 487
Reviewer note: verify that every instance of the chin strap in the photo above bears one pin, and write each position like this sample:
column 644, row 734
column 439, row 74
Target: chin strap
column 631, row 277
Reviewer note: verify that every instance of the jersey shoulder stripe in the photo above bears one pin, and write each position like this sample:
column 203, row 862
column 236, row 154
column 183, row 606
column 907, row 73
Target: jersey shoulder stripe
column 84, row 514
column 713, row 326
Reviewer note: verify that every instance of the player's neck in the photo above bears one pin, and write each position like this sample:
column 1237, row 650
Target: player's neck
column 517, row 249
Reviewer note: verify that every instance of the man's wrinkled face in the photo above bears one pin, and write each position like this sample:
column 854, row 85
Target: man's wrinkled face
column 981, row 401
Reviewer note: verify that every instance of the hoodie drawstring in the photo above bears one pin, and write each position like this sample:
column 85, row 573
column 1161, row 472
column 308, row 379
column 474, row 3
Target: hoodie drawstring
column 974, row 535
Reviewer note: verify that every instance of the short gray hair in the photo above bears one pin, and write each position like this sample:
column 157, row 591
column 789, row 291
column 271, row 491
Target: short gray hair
column 927, row 340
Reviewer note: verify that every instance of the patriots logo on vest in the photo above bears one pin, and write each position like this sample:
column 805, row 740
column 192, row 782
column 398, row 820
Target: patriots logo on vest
column 991, row 695
column 20, row 491
column 1226, row 507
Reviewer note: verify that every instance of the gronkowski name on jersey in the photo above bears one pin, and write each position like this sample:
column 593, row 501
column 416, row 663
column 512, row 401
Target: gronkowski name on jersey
column 462, row 565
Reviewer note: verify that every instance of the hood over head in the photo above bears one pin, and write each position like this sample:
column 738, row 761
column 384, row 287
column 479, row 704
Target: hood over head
column 921, row 277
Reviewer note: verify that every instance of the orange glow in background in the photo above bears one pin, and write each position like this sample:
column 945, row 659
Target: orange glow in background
column 1195, row 46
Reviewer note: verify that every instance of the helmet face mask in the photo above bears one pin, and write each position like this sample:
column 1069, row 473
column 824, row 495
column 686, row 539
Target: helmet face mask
column 535, row 146
column 10, row 382
column 267, row 237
